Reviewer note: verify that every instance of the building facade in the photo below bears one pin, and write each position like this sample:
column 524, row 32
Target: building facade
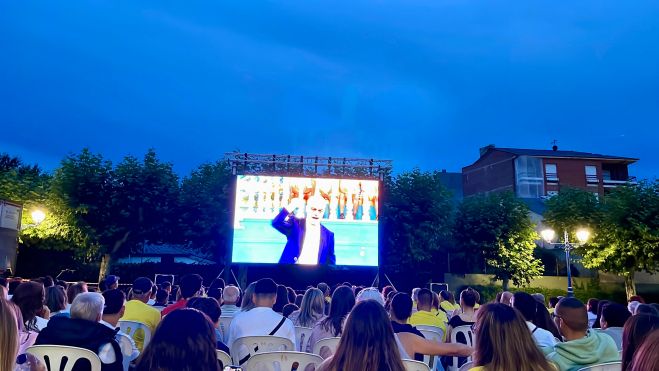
column 533, row 174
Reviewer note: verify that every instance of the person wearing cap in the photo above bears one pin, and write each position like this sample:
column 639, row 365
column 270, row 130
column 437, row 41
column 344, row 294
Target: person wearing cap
column 190, row 287
column 113, row 310
column 138, row 310
column 262, row 320
column 111, row 282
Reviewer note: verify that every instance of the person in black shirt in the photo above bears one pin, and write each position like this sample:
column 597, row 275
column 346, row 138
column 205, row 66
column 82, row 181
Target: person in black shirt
column 400, row 311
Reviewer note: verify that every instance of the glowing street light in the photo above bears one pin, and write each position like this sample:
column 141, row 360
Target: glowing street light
column 38, row 216
column 582, row 235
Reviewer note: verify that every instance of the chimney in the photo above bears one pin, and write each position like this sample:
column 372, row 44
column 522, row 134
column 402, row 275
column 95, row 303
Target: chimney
column 554, row 148
column 483, row 150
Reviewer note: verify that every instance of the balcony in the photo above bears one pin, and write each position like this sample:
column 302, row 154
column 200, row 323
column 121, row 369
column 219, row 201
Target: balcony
column 612, row 183
column 551, row 178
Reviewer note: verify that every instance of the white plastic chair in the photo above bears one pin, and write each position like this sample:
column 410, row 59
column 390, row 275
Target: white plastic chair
column 282, row 360
column 412, row 365
column 225, row 322
column 326, row 347
column 224, row 358
column 57, row 353
column 466, row 367
column 247, row 346
column 432, row 333
column 130, row 328
column 302, row 335
column 608, row 366
column 469, row 336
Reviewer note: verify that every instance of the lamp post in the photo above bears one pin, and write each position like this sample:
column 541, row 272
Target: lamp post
column 582, row 235
column 38, row 216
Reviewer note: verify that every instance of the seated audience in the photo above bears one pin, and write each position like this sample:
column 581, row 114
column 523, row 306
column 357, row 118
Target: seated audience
column 367, row 343
column 184, row 341
column 230, row 296
column 291, row 295
column 647, row 309
column 11, row 354
column 600, row 305
column 211, row 308
column 613, row 319
column 289, row 309
column 298, row 299
column 505, row 297
column 137, row 309
column 399, row 312
column 582, row 347
column 190, row 287
column 591, row 307
column 262, row 320
column 552, row 304
column 424, row 316
column 247, row 304
column 467, row 315
column 370, row 293
column 110, row 282
column 56, row 301
column 312, row 309
column 342, row 302
column 540, row 298
column 647, row 355
column 31, row 298
column 282, row 299
column 634, row 333
column 115, row 306
column 26, row 337
column 503, row 341
column 74, row 290
column 446, row 302
column 528, row 306
column 83, row 330
column 162, row 299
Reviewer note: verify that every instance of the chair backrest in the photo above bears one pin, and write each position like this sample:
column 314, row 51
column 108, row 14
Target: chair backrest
column 130, row 328
column 53, row 356
column 224, row 358
column 225, row 321
column 432, row 333
column 412, row 365
column 464, row 334
column 326, row 347
column 282, row 360
column 245, row 347
column 608, row 366
column 466, row 367
column 302, row 335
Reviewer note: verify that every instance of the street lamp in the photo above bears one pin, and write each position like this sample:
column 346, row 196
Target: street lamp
column 582, row 235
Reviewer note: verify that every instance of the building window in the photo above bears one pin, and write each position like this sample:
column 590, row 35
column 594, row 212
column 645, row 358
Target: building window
column 551, row 174
column 591, row 175
column 529, row 180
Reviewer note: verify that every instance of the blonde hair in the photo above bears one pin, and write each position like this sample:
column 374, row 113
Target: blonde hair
column 8, row 336
column 312, row 307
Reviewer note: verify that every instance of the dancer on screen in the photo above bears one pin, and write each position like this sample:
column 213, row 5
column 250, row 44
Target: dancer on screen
column 308, row 242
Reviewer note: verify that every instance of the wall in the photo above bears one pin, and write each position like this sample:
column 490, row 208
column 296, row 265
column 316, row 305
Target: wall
column 495, row 171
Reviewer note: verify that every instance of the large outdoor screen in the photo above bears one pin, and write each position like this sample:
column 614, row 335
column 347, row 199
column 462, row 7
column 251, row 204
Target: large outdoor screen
column 307, row 221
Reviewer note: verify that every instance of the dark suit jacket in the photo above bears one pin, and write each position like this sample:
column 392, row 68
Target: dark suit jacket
column 294, row 229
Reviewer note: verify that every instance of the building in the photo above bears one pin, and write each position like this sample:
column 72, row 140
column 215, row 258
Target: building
column 536, row 174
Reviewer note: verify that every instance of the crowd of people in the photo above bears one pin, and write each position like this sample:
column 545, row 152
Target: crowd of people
column 377, row 329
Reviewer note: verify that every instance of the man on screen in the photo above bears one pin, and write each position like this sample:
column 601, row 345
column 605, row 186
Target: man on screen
column 308, row 242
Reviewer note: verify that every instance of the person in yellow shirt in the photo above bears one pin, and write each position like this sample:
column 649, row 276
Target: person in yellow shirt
column 137, row 310
column 424, row 314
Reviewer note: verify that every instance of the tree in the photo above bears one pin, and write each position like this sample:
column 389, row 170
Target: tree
column 416, row 218
column 497, row 229
column 624, row 228
column 205, row 202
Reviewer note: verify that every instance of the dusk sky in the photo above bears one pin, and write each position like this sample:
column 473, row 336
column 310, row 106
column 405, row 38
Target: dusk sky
column 423, row 83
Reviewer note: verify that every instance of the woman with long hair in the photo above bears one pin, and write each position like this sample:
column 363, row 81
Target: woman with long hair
column 56, row 301
column 634, row 332
column 647, row 355
column 600, row 306
column 367, row 343
column 312, row 309
column 282, row 299
column 31, row 297
column 343, row 300
column 183, row 341
column 503, row 341
column 11, row 352
column 246, row 304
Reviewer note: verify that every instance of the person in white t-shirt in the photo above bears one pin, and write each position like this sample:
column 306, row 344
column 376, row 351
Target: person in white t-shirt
column 113, row 310
column 528, row 306
column 261, row 320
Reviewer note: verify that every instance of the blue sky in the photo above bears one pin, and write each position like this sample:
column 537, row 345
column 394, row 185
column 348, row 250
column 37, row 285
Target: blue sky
column 424, row 83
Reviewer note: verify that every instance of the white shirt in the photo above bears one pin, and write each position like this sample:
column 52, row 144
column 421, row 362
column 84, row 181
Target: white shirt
column 311, row 245
column 41, row 323
column 258, row 322
column 542, row 337
column 229, row 310
column 591, row 319
column 128, row 348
